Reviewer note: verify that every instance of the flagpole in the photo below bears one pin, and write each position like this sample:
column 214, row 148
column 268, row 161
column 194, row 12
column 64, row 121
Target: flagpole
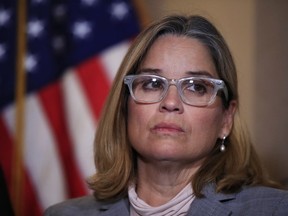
column 18, row 173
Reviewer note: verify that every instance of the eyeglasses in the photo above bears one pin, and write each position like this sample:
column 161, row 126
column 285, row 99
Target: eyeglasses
column 195, row 91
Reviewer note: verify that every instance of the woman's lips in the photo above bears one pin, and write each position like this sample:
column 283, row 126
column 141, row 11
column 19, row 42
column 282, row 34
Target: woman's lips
column 167, row 128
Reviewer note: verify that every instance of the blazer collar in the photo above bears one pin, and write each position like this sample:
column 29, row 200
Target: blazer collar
column 212, row 203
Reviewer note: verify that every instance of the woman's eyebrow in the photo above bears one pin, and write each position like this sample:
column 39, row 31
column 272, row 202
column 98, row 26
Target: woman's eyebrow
column 189, row 73
column 199, row 73
column 149, row 70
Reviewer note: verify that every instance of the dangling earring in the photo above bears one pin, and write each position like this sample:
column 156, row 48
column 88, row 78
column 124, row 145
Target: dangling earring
column 222, row 147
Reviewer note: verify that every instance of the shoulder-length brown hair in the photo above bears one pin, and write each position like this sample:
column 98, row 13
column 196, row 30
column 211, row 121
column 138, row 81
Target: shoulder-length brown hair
column 114, row 157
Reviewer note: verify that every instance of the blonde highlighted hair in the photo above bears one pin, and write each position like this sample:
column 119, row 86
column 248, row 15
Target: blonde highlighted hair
column 115, row 159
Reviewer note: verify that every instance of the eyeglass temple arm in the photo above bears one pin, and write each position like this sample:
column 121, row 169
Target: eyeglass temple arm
column 225, row 90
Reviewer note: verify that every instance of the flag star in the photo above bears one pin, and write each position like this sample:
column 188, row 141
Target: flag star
column 38, row 1
column 30, row 63
column 82, row 29
column 89, row 2
column 5, row 16
column 2, row 51
column 35, row 28
column 119, row 10
column 59, row 11
column 58, row 43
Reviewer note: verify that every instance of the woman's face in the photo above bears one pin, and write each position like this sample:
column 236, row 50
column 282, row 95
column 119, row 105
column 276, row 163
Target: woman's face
column 171, row 130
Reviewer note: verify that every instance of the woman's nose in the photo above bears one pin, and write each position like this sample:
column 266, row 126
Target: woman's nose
column 171, row 101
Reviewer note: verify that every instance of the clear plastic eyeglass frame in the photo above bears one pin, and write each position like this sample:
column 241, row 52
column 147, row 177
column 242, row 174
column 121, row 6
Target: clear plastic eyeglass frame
column 216, row 84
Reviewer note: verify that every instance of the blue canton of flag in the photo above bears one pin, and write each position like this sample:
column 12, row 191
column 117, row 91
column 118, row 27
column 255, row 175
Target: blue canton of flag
column 60, row 34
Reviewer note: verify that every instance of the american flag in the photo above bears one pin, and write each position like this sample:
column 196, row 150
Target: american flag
column 73, row 49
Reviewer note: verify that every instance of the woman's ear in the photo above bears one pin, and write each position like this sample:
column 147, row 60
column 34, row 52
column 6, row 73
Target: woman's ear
column 228, row 119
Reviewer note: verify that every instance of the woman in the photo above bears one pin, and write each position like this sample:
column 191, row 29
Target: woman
column 170, row 141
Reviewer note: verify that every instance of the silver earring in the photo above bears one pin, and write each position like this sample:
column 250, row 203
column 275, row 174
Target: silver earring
column 223, row 147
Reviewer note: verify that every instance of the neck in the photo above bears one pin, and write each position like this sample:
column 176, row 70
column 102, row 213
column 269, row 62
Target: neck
column 157, row 183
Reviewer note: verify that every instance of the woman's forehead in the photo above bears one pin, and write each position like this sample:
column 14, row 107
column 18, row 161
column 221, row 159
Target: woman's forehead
column 180, row 54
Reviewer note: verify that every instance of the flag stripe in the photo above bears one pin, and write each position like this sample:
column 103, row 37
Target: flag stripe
column 29, row 195
column 47, row 175
column 80, row 122
column 95, row 84
column 52, row 103
column 6, row 151
column 112, row 57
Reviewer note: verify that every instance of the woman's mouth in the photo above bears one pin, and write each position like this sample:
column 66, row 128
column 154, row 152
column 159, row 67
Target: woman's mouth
column 167, row 128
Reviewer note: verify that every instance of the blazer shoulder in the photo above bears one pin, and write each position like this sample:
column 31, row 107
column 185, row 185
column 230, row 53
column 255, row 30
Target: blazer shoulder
column 263, row 192
column 265, row 198
column 88, row 205
column 78, row 206
column 250, row 200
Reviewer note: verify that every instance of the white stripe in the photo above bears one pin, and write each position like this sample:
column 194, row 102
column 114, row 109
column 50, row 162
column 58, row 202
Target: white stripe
column 112, row 58
column 40, row 154
column 80, row 123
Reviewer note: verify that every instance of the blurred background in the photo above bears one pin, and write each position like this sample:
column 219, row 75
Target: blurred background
column 58, row 59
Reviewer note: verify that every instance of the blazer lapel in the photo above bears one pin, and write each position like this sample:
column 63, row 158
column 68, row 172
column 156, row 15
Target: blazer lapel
column 204, row 206
column 199, row 207
column 115, row 209
column 212, row 204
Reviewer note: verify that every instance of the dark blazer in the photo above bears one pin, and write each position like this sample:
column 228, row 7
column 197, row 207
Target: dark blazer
column 255, row 201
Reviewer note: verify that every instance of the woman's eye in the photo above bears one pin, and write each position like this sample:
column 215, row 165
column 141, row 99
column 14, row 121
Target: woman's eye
column 152, row 84
column 197, row 87
column 200, row 88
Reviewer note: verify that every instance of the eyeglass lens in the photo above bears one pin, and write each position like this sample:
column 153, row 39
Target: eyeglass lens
column 194, row 91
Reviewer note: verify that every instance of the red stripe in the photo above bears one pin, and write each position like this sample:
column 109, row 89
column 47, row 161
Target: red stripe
column 6, row 151
column 30, row 205
column 30, row 200
column 52, row 100
column 95, row 84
